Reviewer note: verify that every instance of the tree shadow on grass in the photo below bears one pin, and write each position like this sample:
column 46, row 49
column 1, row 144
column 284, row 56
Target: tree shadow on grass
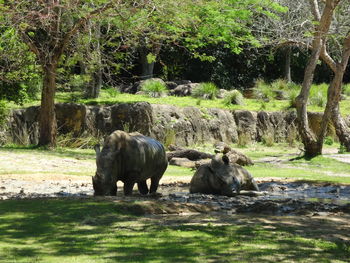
column 92, row 230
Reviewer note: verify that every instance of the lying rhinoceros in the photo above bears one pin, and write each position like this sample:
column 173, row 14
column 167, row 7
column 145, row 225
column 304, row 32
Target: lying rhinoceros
column 130, row 158
column 222, row 178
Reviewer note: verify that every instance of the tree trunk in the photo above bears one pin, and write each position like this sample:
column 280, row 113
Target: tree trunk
column 312, row 147
column 93, row 88
column 287, row 69
column 146, row 66
column 48, row 125
column 333, row 99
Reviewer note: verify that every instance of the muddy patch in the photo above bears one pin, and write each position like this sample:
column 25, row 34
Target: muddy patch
column 275, row 198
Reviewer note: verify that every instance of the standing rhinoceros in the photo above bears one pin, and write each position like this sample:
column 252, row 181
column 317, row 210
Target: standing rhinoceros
column 131, row 158
column 222, row 178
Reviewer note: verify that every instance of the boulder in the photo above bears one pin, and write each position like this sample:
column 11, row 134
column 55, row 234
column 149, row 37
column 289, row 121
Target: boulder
column 315, row 120
column 183, row 90
column 24, row 125
column 246, row 123
column 190, row 125
column 234, row 156
column 71, row 118
column 132, row 117
column 136, row 87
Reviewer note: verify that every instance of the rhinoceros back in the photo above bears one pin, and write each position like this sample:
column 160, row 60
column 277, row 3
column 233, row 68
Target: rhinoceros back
column 141, row 158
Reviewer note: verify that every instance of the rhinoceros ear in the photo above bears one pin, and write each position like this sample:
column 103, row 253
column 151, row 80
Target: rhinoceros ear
column 225, row 159
column 97, row 149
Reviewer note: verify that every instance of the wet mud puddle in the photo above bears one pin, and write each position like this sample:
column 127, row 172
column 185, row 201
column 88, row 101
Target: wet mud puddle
column 275, row 197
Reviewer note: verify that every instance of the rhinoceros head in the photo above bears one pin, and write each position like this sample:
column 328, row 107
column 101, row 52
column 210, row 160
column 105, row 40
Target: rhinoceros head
column 103, row 182
column 225, row 175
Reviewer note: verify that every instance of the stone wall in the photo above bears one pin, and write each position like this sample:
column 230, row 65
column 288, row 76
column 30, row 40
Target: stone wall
column 169, row 124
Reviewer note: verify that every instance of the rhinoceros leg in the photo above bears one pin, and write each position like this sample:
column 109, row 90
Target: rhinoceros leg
column 255, row 185
column 128, row 186
column 143, row 188
column 154, row 185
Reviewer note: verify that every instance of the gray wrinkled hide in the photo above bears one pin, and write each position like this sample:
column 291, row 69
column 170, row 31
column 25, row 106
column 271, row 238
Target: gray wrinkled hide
column 130, row 158
column 222, row 178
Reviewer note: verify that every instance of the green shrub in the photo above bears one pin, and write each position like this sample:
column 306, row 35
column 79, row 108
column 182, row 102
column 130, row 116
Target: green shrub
column 328, row 140
column 342, row 149
column 263, row 91
column 205, row 90
column 280, row 84
column 292, row 94
column 154, row 88
column 233, row 97
column 112, row 92
column 318, row 95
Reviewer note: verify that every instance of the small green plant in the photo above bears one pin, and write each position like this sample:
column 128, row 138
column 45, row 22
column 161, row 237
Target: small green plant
column 263, row 105
column 112, row 92
column 81, row 142
column 318, row 95
column 342, row 149
column 292, row 95
column 74, row 97
column 291, row 136
column 205, row 90
column 233, row 97
column 328, row 140
column 154, row 88
column 280, row 84
column 263, row 91
column 268, row 139
column 318, row 99
column 169, row 137
column 244, row 139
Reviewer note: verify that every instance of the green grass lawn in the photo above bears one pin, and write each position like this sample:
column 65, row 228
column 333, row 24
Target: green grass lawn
column 106, row 231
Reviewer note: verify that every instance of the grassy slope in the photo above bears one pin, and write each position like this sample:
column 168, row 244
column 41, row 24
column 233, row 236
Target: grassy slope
column 250, row 104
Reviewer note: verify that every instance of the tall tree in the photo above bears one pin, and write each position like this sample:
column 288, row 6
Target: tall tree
column 311, row 144
column 46, row 27
column 338, row 64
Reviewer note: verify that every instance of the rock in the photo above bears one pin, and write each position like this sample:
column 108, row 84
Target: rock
column 70, row 118
column 246, row 123
column 183, row 162
column 24, row 126
column 137, row 86
column 221, row 94
column 315, row 119
column 190, row 125
column 132, row 117
column 234, row 156
column 189, row 154
column 99, row 120
column 183, row 90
